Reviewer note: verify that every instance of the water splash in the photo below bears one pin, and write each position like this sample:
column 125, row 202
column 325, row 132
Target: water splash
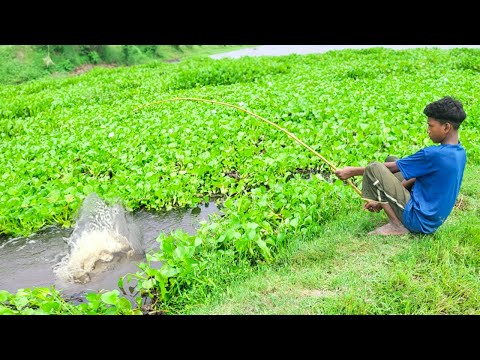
column 103, row 236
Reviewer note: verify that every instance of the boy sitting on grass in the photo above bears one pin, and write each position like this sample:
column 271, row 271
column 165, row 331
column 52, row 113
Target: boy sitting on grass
column 418, row 192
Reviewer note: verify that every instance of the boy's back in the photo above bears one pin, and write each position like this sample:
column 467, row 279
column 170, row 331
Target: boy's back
column 439, row 172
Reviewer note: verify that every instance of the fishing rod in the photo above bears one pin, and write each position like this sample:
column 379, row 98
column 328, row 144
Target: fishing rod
column 259, row 117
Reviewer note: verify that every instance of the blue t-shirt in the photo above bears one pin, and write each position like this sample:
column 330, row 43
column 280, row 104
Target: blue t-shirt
column 439, row 172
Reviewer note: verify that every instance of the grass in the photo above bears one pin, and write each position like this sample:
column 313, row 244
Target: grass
column 21, row 63
column 341, row 270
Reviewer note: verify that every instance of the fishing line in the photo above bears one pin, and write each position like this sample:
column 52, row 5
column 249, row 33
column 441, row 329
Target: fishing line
column 259, row 117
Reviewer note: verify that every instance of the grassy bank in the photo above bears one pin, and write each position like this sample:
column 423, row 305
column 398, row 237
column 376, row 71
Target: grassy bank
column 342, row 270
column 21, row 63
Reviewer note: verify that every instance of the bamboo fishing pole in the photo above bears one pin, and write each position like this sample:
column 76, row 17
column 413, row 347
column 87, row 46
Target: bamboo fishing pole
column 259, row 117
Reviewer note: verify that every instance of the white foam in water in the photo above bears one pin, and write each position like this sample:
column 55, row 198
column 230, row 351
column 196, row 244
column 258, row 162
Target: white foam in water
column 102, row 236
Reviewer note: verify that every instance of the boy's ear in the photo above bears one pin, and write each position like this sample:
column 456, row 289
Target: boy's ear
column 448, row 127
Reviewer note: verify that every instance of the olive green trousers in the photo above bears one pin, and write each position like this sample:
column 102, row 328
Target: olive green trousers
column 380, row 184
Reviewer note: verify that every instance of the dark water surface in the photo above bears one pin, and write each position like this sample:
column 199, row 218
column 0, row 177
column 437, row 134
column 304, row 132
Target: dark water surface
column 28, row 262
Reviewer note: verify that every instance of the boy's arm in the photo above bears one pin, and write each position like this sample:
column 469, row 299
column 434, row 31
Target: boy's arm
column 349, row 171
column 392, row 166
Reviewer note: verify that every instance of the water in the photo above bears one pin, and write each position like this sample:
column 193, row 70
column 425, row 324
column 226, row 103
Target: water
column 106, row 243
column 281, row 50
column 103, row 235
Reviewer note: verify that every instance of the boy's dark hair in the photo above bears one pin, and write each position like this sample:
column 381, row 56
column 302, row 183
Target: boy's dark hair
column 446, row 110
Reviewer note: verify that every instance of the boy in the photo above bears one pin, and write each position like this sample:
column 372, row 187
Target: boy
column 418, row 192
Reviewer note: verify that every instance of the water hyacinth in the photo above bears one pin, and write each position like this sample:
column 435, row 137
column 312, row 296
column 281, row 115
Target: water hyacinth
column 351, row 106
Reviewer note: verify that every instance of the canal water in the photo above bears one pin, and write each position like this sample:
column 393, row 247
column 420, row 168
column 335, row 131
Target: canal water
column 35, row 261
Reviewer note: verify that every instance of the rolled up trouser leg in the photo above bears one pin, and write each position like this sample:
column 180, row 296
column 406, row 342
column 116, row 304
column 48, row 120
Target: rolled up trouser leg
column 379, row 184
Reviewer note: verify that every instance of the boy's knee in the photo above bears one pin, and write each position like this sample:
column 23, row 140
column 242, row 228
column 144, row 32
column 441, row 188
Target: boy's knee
column 374, row 165
column 391, row 158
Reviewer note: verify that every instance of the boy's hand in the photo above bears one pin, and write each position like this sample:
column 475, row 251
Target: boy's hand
column 345, row 173
column 407, row 184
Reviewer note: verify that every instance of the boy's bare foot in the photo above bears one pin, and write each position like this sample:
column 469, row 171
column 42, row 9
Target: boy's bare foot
column 390, row 229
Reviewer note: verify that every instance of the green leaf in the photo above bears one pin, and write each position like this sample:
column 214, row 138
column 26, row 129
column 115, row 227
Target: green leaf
column 20, row 302
column 251, row 226
column 110, row 297
column 124, row 304
column 111, row 311
column 251, row 234
column 147, row 284
column 294, row 222
column 4, row 295
column 88, row 189
column 198, row 241
column 92, row 297
column 262, row 244
column 169, row 271
column 50, row 306
column 6, row 311
column 30, row 311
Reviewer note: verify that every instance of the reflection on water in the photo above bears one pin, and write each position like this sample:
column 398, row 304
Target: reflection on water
column 28, row 262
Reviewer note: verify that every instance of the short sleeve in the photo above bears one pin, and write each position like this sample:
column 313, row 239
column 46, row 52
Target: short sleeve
column 415, row 165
